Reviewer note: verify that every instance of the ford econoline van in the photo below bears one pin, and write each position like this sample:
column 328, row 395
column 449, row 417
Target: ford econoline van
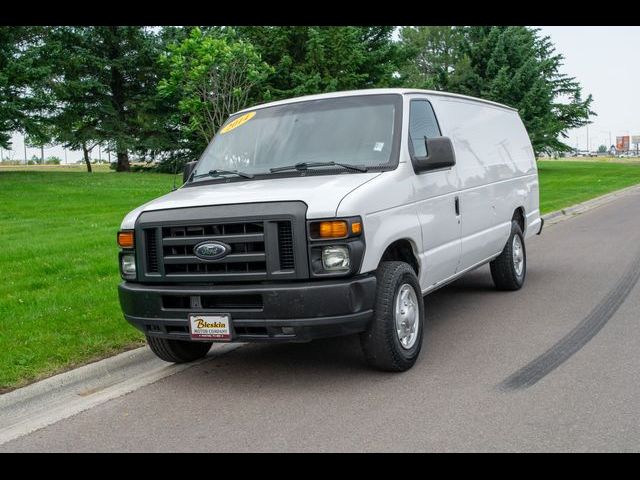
column 330, row 215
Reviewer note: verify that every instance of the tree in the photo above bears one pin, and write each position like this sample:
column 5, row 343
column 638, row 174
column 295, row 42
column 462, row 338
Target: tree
column 603, row 149
column 19, row 108
column 101, row 86
column 314, row 59
column 432, row 55
column 210, row 76
column 510, row 65
column 38, row 139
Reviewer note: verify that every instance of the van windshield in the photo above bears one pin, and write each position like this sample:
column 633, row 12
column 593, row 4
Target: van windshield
column 359, row 130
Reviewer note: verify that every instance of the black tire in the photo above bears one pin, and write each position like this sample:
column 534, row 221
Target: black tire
column 503, row 269
column 178, row 351
column 380, row 343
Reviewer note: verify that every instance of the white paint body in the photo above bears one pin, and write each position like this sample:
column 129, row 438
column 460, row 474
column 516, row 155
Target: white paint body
column 495, row 174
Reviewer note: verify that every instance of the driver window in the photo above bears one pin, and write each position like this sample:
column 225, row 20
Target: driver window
column 422, row 123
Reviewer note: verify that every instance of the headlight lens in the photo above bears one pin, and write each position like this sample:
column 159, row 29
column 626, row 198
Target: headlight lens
column 335, row 258
column 128, row 264
column 336, row 246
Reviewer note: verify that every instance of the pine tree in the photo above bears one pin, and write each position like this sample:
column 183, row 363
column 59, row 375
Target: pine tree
column 101, row 87
column 511, row 65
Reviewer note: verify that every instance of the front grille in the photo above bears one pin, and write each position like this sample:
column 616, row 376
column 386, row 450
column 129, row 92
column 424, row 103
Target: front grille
column 152, row 250
column 213, row 268
column 264, row 242
column 247, row 255
column 231, row 302
column 285, row 245
column 253, row 331
column 225, row 302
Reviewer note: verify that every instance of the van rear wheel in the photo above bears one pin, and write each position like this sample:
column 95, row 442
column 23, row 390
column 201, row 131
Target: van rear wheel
column 394, row 338
column 178, row 351
column 509, row 269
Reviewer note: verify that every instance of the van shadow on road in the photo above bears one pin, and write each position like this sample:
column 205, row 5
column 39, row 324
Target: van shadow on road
column 342, row 357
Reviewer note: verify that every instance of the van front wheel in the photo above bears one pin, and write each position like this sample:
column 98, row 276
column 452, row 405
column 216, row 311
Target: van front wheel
column 178, row 351
column 509, row 269
column 394, row 338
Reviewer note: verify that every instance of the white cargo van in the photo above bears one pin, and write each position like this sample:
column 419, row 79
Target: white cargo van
column 330, row 215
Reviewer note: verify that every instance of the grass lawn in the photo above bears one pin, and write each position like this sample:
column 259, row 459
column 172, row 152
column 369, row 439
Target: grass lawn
column 71, row 167
column 564, row 183
column 58, row 263
column 58, row 269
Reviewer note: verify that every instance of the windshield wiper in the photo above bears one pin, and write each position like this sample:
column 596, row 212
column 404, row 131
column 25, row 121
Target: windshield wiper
column 306, row 165
column 220, row 173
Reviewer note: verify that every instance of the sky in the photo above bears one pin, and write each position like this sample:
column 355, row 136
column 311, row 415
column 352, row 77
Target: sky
column 603, row 59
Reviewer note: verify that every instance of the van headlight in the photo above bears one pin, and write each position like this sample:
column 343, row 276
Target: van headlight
column 336, row 246
column 128, row 265
column 335, row 258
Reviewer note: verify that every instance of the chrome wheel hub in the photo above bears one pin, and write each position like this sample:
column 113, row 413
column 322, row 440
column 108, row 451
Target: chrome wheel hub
column 407, row 314
column 518, row 255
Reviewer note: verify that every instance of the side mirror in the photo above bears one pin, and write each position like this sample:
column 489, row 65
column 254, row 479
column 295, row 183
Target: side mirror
column 188, row 170
column 440, row 154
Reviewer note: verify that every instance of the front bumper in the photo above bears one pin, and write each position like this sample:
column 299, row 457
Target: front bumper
column 271, row 312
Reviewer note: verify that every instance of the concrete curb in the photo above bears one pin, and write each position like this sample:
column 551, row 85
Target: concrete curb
column 40, row 404
column 107, row 367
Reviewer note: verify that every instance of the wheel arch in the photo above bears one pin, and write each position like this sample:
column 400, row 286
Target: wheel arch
column 520, row 217
column 403, row 250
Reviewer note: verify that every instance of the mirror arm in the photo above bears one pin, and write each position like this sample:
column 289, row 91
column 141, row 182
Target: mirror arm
column 189, row 168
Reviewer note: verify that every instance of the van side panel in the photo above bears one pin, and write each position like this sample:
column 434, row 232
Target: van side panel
column 497, row 173
column 388, row 210
column 391, row 210
column 402, row 205
column 435, row 195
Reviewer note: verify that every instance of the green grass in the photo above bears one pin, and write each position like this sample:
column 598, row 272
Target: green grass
column 565, row 183
column 58, row 269
column 72, row 167
column 58, row 262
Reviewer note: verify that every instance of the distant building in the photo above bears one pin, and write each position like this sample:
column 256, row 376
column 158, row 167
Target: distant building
column 627, row 144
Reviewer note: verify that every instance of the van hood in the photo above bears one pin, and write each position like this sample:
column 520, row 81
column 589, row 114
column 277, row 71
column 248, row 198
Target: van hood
column 321, row 193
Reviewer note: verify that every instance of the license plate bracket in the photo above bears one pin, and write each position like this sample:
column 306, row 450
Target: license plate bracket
column 210, row 327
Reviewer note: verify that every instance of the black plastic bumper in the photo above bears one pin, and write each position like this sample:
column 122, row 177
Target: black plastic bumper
column 275, row 312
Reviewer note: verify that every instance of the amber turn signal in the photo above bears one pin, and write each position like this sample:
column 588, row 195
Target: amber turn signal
column 333, row 229
column 125, row 239
column 356, row 228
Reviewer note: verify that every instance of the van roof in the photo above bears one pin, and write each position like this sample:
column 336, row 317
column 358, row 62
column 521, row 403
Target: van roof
column 375, row 91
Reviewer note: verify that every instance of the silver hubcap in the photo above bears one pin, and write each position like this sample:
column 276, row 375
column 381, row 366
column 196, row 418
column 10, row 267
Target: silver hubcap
column 407, row 313
column 518, row 255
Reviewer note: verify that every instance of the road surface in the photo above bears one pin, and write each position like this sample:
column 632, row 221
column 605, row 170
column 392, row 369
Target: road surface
column 552, row 367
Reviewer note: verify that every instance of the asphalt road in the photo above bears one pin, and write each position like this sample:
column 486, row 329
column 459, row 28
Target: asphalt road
column 552, row 367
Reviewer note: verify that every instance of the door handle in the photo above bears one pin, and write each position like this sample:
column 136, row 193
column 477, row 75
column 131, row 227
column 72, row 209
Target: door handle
column 457, row 204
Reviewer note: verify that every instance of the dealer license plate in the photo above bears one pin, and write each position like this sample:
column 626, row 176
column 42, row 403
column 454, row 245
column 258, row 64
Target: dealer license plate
column 210, row 327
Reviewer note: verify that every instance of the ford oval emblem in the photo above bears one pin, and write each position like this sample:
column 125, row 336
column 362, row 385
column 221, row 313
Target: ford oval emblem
column 211, row 250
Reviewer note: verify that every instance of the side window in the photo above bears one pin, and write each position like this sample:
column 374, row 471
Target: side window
column 422, row 123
